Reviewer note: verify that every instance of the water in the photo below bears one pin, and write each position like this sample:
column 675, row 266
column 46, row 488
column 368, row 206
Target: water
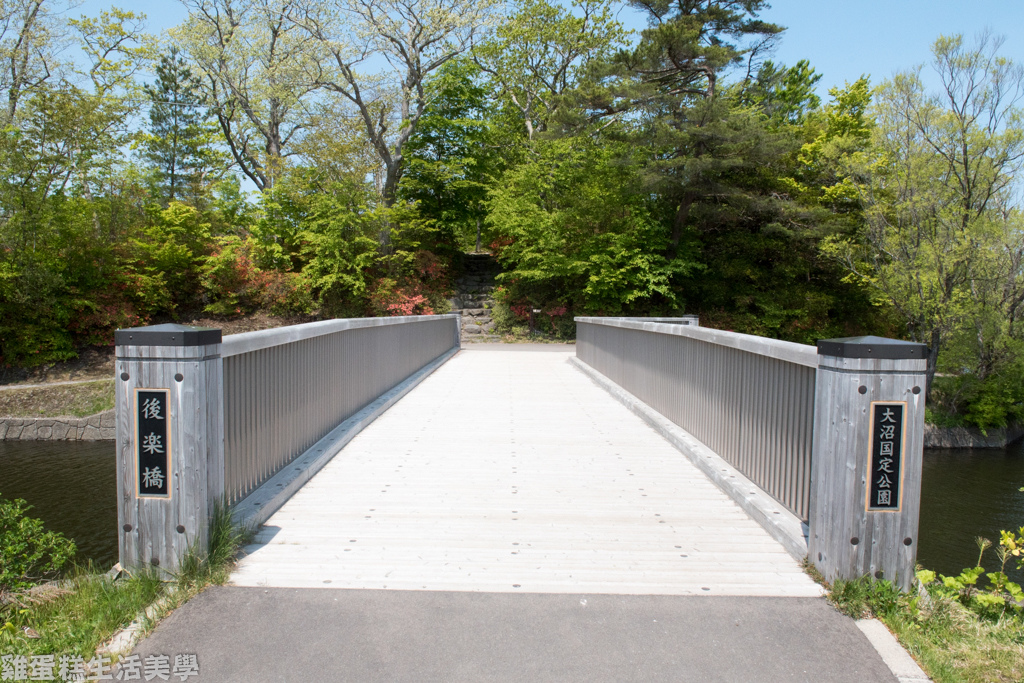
column 71, row 486
column 964, row 494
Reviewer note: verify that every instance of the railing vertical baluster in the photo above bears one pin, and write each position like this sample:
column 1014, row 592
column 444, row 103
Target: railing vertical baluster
column 785, row 417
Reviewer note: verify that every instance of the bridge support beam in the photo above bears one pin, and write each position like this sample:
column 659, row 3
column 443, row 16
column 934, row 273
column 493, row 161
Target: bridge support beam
column 170, row 441
column 867, row 450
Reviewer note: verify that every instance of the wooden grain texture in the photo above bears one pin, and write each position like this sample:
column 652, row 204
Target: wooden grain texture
column 839, row 479
column 511, row 471
column 195, row 424
column 775, row 518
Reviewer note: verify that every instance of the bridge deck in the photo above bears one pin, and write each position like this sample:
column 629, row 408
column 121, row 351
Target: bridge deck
column 511, row 471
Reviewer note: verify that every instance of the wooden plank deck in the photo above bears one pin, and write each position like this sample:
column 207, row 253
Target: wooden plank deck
column 511, row 471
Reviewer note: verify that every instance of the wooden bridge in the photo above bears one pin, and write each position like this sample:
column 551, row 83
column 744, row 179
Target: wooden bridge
column 510, row 470
column 654, row 457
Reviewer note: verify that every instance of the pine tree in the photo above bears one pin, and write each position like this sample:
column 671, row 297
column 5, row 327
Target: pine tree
column 179, row 145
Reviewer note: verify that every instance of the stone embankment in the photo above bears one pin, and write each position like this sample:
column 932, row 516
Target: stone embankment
column 970, row 437
column 99, row 427
column 474, row 299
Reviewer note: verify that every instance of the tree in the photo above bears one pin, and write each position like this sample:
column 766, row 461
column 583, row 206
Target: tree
column 691, row 42
column 541, row 51
column 414, row 38
column 64, row 199
column 254, row 62
column 179, row 143
column 579, row 232
column 671, row 80
column 938, row 190
column 784, row 95
column 30, row 39
column 454, row 157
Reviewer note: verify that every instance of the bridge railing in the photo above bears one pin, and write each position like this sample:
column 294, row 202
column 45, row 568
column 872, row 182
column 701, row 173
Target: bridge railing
column 202, row 419
column 749, row 399
column 834, row 433
column 285, row 388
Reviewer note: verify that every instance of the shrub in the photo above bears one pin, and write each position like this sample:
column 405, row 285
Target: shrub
column 28, row 553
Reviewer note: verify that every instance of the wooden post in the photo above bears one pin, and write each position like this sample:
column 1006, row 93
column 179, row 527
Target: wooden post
column 170, row 441
column 866, row 458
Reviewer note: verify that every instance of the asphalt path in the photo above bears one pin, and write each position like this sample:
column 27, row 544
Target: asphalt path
column 301, row 635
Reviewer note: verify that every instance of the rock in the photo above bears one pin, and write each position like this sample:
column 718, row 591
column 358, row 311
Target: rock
column 472, row 329
column 970, row 437
column 28, row 432
column 44, row 431
column 92, row 433
column 107, row 418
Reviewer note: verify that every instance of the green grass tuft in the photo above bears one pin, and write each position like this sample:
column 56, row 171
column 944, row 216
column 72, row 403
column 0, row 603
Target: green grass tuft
column 77, row 615
column 198, row 569
column 951, row 643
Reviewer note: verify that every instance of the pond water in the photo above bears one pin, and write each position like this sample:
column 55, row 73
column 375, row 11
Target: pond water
column 966, row 493
column 71, row 486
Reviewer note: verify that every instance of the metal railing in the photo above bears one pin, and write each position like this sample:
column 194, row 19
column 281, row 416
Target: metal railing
column 285, row 388
column 749, row 399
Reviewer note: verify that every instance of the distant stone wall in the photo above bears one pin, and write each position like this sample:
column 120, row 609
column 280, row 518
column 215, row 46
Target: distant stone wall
column 970, row 437
column 98, row 427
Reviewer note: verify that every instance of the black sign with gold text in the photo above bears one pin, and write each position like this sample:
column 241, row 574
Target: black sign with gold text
column 152, row 443
column 885, row 466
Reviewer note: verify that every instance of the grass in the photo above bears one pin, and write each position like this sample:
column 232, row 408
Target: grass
column 59, row 400
column 82, row 612
column 951, row 643
column 198, row 570
column 76, row 617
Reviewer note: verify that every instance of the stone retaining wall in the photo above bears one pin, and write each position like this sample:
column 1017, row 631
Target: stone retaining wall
column 970, row 437
column 98, row 427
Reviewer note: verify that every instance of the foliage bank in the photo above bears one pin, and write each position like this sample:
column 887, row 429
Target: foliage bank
column 674, row 170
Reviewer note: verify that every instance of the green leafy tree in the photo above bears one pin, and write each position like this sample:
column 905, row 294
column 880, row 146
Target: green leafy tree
column 578, row 232
column 254, row 63
column 942, row 232
column 454, row 155
column 411, row 41
column 670, row 80
column 542, row 51
column 179, row 144
column 31, row 34
column 784, row 95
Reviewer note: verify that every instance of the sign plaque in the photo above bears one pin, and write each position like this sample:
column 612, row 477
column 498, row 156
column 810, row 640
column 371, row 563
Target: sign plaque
column 885, row 464
column 152, row 443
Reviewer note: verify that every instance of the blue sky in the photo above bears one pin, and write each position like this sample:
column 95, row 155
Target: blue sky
column 844, row 39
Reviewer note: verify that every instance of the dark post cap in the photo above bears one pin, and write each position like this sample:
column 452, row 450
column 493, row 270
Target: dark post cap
column 169, row 334
column 871, row 347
